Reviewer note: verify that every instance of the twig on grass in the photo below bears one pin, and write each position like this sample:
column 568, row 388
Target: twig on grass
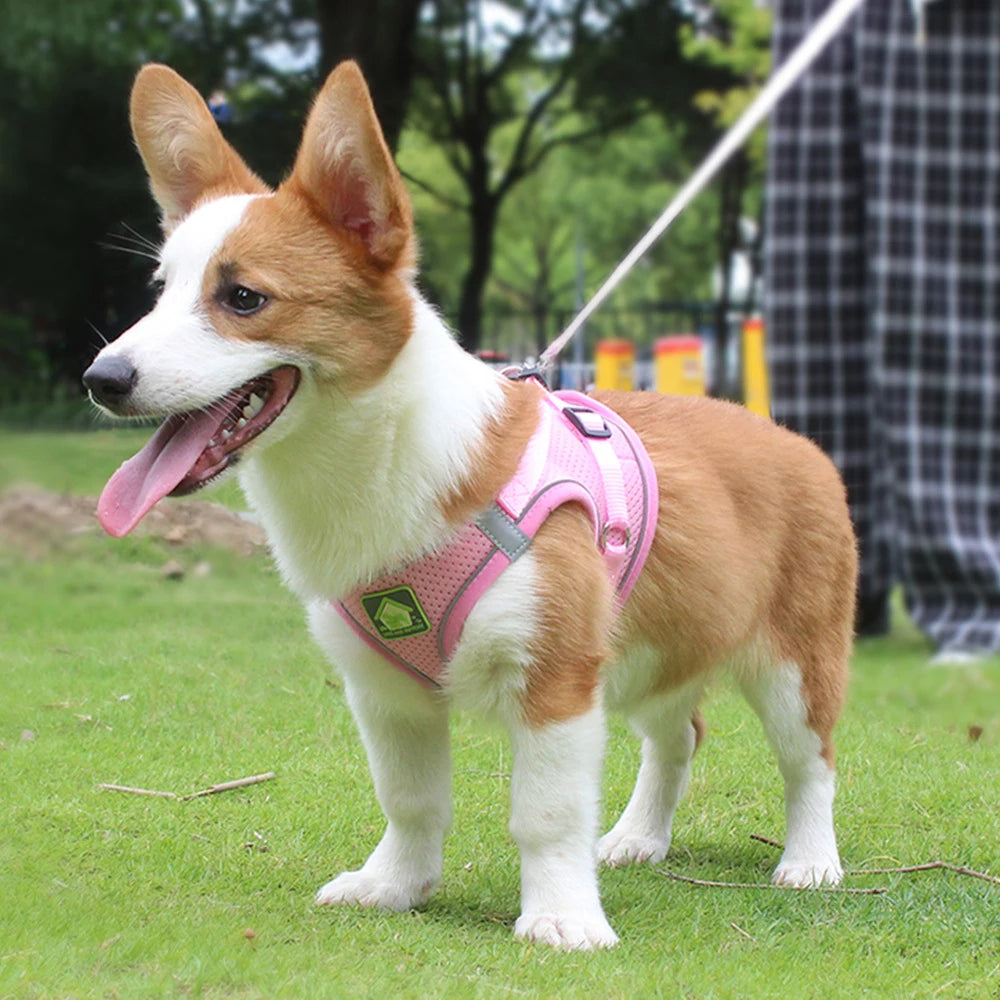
column 766, row 840
column 135, row 791
column 926, row 866
column 878, row 891
column 224, row 786
column 227, row 786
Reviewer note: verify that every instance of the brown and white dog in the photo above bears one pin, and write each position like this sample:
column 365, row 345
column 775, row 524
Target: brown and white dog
column 290, row 336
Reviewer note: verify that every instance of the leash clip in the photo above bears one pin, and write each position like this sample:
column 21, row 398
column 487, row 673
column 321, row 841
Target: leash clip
column 524, row 372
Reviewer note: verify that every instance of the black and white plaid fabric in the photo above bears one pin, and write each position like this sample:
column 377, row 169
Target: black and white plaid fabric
column 883, row 293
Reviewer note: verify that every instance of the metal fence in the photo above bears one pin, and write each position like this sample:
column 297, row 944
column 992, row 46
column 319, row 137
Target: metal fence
column 516, row 336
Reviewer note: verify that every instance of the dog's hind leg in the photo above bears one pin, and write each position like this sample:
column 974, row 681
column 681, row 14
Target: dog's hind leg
column 804, row 755
column 670, row 730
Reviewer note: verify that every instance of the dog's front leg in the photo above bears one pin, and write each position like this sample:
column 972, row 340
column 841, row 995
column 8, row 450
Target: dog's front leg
column 407, row 743
column 555, row 794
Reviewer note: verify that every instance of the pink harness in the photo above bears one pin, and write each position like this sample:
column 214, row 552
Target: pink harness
column 581, row 452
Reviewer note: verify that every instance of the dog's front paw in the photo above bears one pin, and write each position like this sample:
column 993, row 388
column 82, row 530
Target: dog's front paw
column 808, row 874
column 579, row 932
column 617, row 849
column 364, row 889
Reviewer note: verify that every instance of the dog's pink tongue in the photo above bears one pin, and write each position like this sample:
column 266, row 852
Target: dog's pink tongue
column 153, row 472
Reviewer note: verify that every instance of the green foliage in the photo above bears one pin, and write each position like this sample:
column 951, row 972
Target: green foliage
column 526, row 123
column 73, row 195
column 738, row 43
column 65, row 71
column 113, row 673
column 634, row 56
column 602, row 193
column 19, row 353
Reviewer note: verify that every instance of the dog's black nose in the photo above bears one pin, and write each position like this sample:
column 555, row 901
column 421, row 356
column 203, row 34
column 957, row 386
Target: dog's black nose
column 110, row 380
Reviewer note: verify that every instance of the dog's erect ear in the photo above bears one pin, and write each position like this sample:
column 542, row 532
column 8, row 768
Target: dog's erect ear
column 185, row 154
column 345, row 168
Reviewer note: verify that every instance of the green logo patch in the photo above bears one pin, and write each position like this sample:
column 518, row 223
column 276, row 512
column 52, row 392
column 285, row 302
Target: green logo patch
column 396, row 613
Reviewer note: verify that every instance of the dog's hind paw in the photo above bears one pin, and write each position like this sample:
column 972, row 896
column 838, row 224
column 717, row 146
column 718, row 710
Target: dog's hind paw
column 808, row 875
column 570, row 933
column 618, row 849
column 361, row 889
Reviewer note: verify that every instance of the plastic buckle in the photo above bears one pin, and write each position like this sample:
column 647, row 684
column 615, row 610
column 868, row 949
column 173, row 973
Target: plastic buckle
column 576, row 415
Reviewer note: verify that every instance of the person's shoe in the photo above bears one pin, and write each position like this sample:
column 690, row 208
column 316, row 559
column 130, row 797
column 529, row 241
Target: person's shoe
column 947, row 657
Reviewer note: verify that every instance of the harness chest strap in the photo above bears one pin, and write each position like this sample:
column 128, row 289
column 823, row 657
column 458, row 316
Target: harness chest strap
column 581, row 452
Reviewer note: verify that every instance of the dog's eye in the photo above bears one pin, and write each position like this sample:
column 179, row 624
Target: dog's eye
column 156, row 286
column 243, row 300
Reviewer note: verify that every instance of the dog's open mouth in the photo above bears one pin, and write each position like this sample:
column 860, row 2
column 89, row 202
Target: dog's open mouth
column 191, row 449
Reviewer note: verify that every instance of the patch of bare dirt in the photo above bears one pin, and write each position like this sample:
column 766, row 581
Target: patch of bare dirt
column 39, row 522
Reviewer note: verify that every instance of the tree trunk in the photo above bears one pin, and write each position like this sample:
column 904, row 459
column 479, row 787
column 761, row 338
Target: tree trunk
column 540, row 314
column 380, row 35
column 482, row 219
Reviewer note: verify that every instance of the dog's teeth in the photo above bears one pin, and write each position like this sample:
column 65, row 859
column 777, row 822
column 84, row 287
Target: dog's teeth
column 242, row 422
column 254, row 407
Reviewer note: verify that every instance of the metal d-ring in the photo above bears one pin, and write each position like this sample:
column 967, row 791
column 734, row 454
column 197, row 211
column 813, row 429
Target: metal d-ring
column 612, row 526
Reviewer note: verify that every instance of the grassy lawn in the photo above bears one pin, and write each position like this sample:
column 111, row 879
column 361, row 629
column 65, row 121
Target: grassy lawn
column 112, row 672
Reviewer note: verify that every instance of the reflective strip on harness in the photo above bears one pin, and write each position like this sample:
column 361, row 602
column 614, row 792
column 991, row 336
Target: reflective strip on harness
column 580, row 452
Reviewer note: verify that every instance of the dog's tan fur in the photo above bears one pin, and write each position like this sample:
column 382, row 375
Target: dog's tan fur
column 727, row 538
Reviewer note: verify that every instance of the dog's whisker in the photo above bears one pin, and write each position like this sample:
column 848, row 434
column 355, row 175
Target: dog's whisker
column 134, row 240
column 142, row 240
column 134, row 250
column 104, row 340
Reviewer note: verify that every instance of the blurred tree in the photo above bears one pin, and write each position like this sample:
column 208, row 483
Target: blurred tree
column 500, row 86
column 636, row 58
column 380, row 35
column 72, row 190
column 735, row 37
column 67, row 167
column 495, row 87
column 259, row 57
column 583, row 211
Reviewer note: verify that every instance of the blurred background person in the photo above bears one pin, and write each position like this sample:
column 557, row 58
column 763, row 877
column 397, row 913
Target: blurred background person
column 883, row 298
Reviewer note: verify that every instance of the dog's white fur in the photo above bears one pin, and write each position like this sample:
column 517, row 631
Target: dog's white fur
column 350, row 480
column 411, row 443
column 175, row 340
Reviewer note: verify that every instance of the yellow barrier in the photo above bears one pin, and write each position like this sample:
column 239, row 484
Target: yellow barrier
column 679, row 364
column 614, row 364
column 756, row 391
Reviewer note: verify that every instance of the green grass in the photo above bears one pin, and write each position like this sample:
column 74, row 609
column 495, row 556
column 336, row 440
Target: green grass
column 76, row 462
column 124, row 676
